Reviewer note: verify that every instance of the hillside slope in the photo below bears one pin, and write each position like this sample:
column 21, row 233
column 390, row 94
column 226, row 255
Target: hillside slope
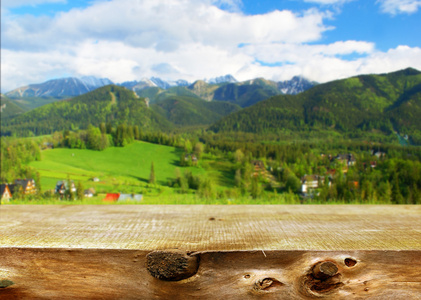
column 191, row 111
column 386, row 103
column 112, row 104
column 9, row 108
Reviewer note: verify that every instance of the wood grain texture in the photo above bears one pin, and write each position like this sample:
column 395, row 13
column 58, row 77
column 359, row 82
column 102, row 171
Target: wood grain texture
column 206, row 228
column 122, row 274
column 242, row 252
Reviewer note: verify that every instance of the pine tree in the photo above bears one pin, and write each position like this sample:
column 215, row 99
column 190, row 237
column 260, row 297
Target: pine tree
column 80, row 191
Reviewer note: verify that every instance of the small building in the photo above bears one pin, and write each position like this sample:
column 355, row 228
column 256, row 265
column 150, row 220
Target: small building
column 63, row 185
column 310, row 182
column 28, row 186
column 88, row 193
column 5, row 193
column 118, row 197
column 378, row 154
column 130, row 197
column 258, row 164
column 347, row 159
column 47, row 145
column 259, row 167
column 111, row 197
column 95, row 179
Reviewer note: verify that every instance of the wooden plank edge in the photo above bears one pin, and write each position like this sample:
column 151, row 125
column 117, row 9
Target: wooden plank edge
column 38, row 273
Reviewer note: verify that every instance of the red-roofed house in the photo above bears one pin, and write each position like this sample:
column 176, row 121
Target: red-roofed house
column 111, row 197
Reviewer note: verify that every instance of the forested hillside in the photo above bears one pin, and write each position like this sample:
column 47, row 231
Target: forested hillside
column 370, row 103
column 188, row 111
column 110, row 104
column 8, row 108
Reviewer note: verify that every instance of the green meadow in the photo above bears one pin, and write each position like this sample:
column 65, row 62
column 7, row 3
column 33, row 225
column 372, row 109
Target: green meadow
column 127, row 170
column 119, row 169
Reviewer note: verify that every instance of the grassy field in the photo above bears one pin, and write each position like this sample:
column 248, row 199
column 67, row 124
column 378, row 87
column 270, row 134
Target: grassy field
column 119, row 169
column 127, row 170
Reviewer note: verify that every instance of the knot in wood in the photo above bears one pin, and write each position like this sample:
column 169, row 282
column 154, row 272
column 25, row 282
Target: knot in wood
column 171, row 265
column 324, row 270
column 5, row 283
column 266, row 284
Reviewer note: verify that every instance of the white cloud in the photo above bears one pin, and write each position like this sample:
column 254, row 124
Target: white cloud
column 188, row 39
column 394, row 7
column 324, row 63
column 286, row 53
column 164, row 24
column 121, row 39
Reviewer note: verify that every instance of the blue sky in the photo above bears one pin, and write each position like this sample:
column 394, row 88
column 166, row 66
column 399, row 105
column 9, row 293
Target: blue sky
column 125, row 40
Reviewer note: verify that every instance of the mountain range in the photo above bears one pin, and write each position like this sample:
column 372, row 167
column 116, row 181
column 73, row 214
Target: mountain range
column 385, row 104
column 69, row 87
column 60, row 88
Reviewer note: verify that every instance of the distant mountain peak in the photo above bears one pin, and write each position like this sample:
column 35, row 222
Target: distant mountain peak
column 295, row 86
column 60, row 88
column 221, row 79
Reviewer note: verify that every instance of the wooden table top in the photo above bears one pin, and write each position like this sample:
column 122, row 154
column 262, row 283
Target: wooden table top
column 212, row 228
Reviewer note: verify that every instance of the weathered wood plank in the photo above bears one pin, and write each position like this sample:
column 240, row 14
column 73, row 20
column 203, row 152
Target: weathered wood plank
column 205, row 228
column 122, row 274
column 210, row 252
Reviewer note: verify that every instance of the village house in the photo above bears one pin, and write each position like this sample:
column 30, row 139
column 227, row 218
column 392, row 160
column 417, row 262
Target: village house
column 346, row 159
column 310, row 182
column 259, row 167
column 117, row 197
column 62, row 186
column 378, row 154
column 88, row 193
column 130, row 197
column 28, row 186
column 111, row 197
column 47, row 145
column 5, row 193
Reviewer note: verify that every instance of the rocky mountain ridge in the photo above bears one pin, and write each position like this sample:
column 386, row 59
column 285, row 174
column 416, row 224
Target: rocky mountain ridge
column 73, row 86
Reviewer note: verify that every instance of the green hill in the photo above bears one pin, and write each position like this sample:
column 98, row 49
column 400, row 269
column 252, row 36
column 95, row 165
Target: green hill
column 107, row 165
column 28, row 103
column 189, row 111
column 9, row 108
column 385, row 103
column 111, row 104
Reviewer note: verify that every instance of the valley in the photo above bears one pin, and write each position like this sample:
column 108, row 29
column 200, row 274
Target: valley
column 355, row 140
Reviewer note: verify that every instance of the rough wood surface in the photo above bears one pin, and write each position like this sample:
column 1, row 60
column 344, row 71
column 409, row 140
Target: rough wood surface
column 210, row 252
column 205, row 228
